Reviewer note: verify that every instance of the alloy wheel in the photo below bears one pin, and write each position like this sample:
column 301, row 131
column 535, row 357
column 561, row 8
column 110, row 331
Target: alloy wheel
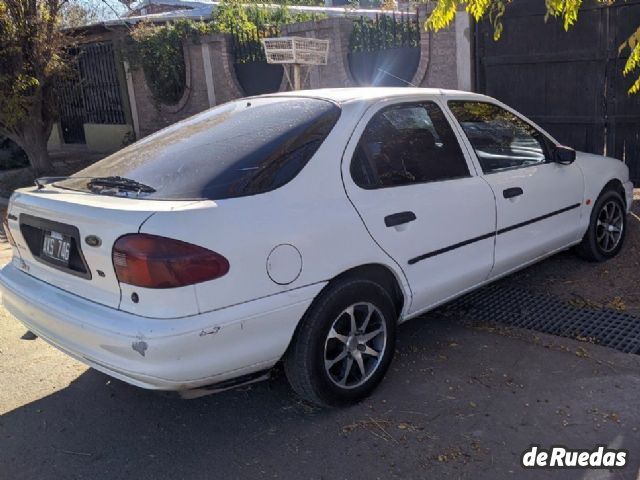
column 609, row 226
column 355, row 345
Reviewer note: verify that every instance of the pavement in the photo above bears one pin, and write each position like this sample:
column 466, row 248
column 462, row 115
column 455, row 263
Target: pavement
column 459, row 401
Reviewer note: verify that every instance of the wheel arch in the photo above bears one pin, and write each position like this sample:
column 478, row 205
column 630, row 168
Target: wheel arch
column 380, row 274
column 377, row 272
column 616, row 185
column 588, row 248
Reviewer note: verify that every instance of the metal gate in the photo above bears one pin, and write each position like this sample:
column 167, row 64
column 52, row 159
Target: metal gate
column 91, row 94
column 570, row 83
column 385, row 50
column 71, row 105
column 254, row 74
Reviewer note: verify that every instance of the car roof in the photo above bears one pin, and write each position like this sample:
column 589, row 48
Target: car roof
column 344, row 95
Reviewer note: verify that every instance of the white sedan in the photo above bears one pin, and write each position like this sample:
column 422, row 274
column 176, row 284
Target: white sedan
column 297, row 227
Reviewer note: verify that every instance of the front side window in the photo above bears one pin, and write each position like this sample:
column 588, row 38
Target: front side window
column 406, row 144
column 500, row 139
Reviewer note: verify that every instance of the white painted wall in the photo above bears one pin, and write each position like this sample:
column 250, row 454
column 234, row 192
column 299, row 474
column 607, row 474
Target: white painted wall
column 463, row 51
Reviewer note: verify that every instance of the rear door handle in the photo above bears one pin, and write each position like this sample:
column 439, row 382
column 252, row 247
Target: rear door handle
column 512, row 192
column 399, row 218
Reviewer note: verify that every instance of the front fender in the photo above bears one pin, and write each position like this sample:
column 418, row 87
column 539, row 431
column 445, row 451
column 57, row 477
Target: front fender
column 599, row 170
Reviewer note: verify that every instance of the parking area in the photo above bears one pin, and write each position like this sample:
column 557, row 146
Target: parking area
column 463, row 399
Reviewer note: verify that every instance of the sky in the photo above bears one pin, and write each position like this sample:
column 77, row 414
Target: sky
column 104, row 9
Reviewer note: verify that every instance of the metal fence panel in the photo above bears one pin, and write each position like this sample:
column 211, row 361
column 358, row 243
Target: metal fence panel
column 91, row 93
column 571, row 82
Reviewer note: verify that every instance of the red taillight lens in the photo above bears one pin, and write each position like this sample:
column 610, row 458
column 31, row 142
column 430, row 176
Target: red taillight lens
column 151, row 261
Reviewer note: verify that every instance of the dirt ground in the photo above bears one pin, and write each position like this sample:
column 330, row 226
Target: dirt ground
column 458, row 402
column 612, row 284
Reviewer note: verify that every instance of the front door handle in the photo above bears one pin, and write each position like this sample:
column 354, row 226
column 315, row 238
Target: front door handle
column 399, row 218
column 512, row 192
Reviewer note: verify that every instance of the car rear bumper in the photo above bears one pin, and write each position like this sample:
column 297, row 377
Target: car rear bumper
column 161, row 354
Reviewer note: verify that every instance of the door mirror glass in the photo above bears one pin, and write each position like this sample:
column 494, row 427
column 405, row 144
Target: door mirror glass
column 564, row 155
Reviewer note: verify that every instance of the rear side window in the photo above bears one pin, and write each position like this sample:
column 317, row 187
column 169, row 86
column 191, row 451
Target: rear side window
column 237, row 149
column 406, row 144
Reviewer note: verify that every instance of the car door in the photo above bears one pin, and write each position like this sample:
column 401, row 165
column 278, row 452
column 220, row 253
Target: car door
column 420, row 199
column 538, row 201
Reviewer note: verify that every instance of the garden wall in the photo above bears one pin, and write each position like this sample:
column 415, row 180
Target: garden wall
column 445, row 62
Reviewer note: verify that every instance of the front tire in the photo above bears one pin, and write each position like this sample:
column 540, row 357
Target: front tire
column 344, row 344
column 607, row 228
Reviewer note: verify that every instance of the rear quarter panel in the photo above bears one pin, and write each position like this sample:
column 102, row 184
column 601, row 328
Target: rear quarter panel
column 312, row 213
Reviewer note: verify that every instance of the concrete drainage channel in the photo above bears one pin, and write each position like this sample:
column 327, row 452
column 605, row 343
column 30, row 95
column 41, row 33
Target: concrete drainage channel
column 496, row 304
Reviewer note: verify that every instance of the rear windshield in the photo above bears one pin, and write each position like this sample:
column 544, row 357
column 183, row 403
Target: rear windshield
column 240, row 148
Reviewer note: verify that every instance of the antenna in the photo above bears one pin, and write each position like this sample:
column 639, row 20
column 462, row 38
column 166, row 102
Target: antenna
column 397, row 78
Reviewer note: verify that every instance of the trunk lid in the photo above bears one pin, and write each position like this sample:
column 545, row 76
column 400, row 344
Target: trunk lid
column 65, row 238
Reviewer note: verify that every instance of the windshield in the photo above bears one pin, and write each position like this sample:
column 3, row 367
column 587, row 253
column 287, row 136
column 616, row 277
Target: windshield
column 240, row 148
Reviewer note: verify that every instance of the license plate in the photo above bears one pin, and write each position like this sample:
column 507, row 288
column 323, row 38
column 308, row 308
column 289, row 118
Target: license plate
column 56, row 246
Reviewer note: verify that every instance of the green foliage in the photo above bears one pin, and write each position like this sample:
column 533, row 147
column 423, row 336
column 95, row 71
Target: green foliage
column 26, row 64
column 633, row 62
column 386, row 32
column 250, row 18
column 445, row 11
column 157, row 49
column 310, row 3
column 263, row 17
column 565, row 10
column 231, row 16
column 249, row 22
column 33, row 58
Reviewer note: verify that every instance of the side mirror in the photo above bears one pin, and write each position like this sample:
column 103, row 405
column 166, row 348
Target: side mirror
column 564, row 155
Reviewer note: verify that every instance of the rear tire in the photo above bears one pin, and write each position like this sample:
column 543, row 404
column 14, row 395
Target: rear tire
column 343, row 345
column 607, row 228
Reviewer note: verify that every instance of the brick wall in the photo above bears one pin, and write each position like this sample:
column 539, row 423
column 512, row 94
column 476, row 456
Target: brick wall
column 438, row 67
column 337, row 30
column 153, row 115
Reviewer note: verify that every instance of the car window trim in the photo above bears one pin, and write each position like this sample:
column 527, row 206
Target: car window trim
column 419, row 102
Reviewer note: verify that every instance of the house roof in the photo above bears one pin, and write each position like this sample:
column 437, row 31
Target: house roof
column 204, row 8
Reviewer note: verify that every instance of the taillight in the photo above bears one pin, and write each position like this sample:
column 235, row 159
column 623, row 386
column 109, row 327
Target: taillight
column 151, row 261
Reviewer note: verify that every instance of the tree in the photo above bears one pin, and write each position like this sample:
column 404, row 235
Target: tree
column 127, row 3
column 32, row 59
column 76, row 15
column 445, row 11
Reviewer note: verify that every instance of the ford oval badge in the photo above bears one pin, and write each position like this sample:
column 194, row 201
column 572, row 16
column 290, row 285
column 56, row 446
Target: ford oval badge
column 93, row 241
